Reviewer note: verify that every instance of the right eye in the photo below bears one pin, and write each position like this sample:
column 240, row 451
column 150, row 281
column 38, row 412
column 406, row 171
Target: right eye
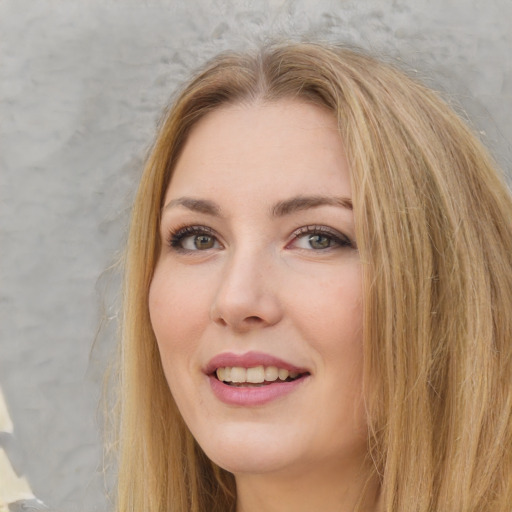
column 194, row 238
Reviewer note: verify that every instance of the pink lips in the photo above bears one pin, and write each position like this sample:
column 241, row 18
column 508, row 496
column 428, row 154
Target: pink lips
column 248, row 360
column 251, row 396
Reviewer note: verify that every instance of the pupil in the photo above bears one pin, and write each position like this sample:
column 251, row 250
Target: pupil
column 319, row 241
column 203, row 242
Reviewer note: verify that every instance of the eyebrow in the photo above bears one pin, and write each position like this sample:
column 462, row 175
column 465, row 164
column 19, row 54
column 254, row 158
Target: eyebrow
column 280, row 209
column 299, row 203
column 195, row 205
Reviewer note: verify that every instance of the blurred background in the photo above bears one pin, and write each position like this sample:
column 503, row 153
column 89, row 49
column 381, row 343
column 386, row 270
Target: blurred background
column 82, row 87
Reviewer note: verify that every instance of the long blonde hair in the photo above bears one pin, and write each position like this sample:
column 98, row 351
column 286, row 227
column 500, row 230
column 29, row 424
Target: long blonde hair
column 434, row 231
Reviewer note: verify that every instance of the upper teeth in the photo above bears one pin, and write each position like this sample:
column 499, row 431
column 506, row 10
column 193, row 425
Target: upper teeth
column 255, row 375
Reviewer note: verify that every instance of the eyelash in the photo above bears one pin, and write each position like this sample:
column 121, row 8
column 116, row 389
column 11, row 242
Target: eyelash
column 338, row 238
column 177, row 236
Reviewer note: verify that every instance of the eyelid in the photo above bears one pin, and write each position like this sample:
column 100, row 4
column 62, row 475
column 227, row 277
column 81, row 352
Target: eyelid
column 340, row 238
column 177, row 234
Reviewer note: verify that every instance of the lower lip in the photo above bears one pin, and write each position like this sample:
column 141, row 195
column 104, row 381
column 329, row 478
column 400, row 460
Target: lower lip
column 250, row 396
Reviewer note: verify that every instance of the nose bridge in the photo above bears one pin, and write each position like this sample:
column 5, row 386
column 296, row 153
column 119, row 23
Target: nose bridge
column 246, row 296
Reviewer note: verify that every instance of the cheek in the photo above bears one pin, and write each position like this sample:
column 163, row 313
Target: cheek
column 331, row 316
column 178, row 313
column 332, row 306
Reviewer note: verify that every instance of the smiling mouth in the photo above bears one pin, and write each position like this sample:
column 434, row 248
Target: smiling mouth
column 256, row 376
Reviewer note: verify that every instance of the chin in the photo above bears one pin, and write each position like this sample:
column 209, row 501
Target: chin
column 257, row 462
column 238, row 451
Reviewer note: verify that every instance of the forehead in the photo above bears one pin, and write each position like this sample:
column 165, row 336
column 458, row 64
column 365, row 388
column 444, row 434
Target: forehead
column 289, row 147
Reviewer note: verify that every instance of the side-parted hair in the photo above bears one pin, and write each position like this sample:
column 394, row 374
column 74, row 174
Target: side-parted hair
column 433, row 224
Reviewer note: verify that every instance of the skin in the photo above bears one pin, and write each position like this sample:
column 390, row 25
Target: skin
column 252, row 282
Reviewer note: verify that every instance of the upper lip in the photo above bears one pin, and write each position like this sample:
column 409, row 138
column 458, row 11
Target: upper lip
column 249, row 360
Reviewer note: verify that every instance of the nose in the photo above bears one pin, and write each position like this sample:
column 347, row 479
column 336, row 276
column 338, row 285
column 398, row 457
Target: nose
column 247, row 298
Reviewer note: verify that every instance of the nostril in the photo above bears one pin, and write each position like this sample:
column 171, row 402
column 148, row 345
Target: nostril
column 253, row 319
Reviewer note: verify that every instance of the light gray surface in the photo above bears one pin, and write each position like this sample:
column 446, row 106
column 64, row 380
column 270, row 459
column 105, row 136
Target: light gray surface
column 82, row 84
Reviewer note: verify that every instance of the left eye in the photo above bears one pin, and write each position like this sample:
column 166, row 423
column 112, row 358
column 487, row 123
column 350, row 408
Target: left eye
column 319, row 238
column 315, row 242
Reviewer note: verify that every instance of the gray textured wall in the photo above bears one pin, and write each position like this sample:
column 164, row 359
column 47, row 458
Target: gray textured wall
column 82, row 84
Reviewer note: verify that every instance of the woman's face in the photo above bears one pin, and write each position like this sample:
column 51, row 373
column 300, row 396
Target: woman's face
column 256, row 298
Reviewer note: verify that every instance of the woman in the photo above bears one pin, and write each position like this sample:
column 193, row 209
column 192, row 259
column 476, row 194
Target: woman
column 317, row 298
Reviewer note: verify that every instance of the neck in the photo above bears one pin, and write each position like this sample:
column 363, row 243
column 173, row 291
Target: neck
column 327, row 489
